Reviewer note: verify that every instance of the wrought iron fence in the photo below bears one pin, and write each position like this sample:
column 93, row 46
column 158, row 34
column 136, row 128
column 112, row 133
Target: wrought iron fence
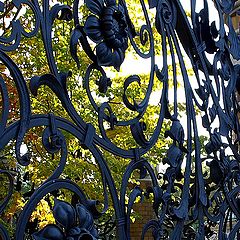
column 207, row 184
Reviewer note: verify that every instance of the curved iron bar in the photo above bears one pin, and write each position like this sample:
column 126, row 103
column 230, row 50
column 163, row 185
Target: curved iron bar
column 206, row 202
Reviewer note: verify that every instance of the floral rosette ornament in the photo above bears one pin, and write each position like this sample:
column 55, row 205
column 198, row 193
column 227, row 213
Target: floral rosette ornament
column 71, row 224
column 108, row 29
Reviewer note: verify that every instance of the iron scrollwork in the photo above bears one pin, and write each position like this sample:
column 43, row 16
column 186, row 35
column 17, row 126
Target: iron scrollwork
column 208, row 204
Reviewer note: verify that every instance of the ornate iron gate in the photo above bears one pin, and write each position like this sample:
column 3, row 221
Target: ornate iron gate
column 208, row 205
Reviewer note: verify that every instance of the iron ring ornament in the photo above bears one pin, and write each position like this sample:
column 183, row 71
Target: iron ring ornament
column 208, row 205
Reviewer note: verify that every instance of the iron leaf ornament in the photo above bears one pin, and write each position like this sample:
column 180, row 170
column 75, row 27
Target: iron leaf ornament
column 67, row 218
column 196, row 195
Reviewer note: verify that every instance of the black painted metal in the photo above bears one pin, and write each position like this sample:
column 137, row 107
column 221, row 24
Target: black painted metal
column 207, row 202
